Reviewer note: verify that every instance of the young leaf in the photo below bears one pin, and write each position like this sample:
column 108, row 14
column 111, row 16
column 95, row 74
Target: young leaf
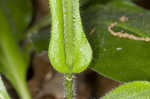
column 132, row 90
column 122, row 58
column 14, row 17
column 69, row 50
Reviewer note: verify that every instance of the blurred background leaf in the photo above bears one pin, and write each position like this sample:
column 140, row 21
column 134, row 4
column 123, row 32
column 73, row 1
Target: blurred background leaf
column 132, row 90
column 15, row 16
column 41, row 41
column 19, row 14
column 39, row 34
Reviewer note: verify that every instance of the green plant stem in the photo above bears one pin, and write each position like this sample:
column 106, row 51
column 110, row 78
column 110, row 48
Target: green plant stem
column 17, row 65
column 22, row 89
column 68, row 86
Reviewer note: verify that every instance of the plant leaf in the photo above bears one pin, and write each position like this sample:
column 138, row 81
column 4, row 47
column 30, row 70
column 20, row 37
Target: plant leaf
column 132, row 90
column 121, row 59
column 41, row 41
column 14, row 17
column 19, row 14
column 69, row 49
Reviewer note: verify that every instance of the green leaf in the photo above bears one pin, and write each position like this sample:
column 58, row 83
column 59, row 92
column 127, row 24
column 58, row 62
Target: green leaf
column 132, row 90
column 14, row 17
column 121, row 59
column 69, row 50
column 39, row 34
column 3, row 92
column 19, row 14
column 85, row 3
column 41, row 41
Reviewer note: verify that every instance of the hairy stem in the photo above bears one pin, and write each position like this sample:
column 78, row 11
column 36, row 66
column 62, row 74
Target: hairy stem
column 68, row 86
column 75, row 86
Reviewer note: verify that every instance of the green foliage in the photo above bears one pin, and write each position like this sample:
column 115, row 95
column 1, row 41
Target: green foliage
column 132, row 90
column 69, row 50
column 18, row 13
column 41, row 41
column 122, row 56
column 3, row 92
column 14, row 21
column 121, row 59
